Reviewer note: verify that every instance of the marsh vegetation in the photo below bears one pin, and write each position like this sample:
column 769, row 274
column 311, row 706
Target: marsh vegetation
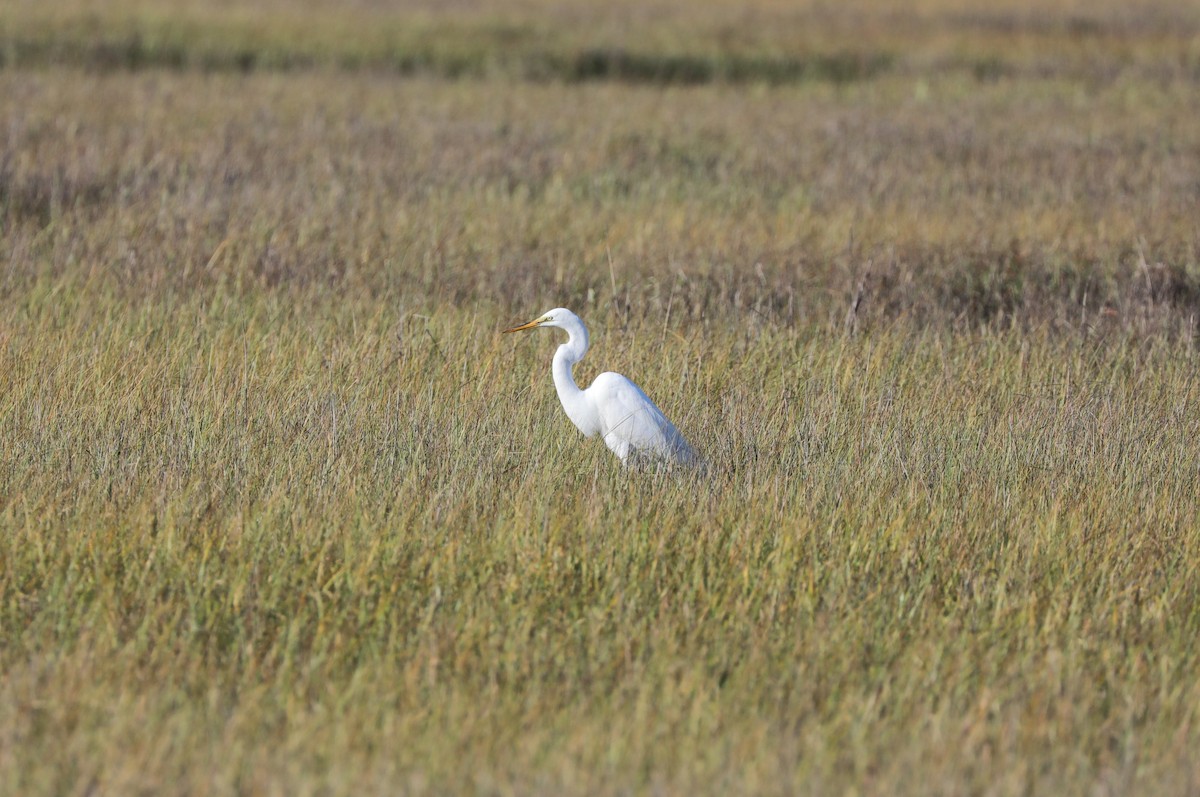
column 282, row 512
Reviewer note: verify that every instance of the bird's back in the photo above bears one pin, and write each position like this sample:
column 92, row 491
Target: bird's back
column 632, row 425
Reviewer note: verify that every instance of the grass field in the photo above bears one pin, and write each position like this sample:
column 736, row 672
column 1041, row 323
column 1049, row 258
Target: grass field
column 282, row 513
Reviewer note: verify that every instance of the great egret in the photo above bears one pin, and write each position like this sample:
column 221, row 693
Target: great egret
column 613, row 407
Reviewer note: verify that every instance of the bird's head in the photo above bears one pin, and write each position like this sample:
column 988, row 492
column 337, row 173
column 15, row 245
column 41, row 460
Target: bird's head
column 559, row 317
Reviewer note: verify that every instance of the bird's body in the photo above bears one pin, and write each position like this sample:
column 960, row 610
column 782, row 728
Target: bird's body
column 631, row 425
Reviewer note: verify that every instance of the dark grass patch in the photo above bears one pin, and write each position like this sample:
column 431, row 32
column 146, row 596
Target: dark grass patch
column 1005, row 287
column 42, row 197
column 635, row 67
column 138, row 51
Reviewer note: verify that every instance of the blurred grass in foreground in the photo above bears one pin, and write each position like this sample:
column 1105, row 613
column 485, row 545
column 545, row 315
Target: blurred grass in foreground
column 658, row 42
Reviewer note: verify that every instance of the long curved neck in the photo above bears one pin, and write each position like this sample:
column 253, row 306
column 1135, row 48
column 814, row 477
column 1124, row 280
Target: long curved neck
column 568, row 354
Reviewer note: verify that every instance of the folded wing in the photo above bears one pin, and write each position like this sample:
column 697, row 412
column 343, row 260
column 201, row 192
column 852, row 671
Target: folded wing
column 633, row 426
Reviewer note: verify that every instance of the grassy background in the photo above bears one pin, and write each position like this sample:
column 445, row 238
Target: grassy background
column 657, row 41
column 281, row 513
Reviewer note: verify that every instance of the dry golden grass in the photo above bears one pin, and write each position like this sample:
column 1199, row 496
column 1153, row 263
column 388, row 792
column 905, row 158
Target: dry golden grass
column 1045, row 203
column 281, row 513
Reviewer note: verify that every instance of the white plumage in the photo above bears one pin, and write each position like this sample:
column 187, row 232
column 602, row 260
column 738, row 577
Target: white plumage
column 632, row 426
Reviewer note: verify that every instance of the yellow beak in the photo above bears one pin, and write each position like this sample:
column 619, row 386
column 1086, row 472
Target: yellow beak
column 530, row 325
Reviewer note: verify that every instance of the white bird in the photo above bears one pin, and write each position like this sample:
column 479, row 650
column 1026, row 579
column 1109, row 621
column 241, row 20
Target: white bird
column 613, row 407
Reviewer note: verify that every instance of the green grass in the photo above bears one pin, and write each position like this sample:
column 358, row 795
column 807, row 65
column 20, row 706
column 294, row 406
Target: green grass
column 281, row 512
column 270, row 547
